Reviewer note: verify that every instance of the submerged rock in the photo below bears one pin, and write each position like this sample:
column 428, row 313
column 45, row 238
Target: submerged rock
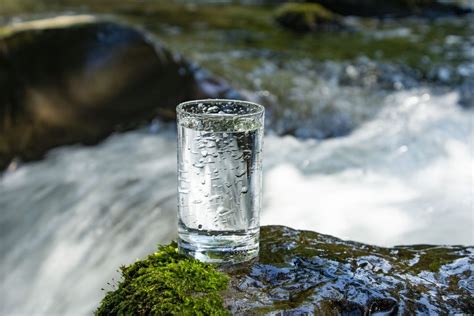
column 78, row 78
column 466, row 93
column 307, row 273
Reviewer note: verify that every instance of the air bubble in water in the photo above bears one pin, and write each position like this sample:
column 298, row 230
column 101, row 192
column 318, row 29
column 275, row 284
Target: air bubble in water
column 199, row 226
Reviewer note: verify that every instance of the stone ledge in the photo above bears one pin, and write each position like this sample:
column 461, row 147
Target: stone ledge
column 304, row 272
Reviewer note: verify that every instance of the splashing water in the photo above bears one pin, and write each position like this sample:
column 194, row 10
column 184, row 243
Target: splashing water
column 405, row 176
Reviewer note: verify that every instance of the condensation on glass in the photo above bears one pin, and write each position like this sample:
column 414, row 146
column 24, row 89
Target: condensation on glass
column 219, row 179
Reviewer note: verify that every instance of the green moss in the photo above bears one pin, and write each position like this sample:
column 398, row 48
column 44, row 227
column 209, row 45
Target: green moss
column 310, row 244
column 167, row 282
column 304, row 16
column 310, row 11
column 404, row 254
column 433, row 258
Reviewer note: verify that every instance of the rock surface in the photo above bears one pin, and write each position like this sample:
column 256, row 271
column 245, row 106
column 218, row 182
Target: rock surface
column 304, row 272
column 300, row 273
column 78, row 78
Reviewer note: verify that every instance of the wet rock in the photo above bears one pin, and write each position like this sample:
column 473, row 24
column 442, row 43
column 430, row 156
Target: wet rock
column 392, row 8
column 307, row 17
column 79, row 78
column 466, row 93
column 367, row 73
column 304, row 272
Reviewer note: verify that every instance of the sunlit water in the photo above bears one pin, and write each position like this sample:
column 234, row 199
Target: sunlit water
column 69, row 221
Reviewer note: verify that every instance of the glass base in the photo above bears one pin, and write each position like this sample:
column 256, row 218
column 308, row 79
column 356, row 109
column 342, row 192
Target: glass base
column 219, row 246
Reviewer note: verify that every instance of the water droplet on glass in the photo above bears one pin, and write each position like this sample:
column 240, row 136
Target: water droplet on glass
column 241, row 175
column 244, row 190
column 197, row 201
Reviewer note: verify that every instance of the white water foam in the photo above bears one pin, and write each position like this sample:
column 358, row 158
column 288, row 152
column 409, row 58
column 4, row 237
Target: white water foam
column 405, row 177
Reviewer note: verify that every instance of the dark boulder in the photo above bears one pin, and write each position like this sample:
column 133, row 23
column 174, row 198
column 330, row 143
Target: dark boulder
column 393, row 8
column 79, row 78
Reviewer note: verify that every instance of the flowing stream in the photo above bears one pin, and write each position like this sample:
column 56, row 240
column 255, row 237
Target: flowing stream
column 400, row 172
column 403, row 177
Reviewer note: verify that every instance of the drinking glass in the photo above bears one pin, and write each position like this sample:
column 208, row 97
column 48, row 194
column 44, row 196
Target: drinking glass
column 219, row 179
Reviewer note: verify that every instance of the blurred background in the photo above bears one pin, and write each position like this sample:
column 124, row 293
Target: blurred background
column 369, row 126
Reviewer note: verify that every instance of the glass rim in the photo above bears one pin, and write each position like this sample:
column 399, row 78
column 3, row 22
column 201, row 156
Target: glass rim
column 260, row 109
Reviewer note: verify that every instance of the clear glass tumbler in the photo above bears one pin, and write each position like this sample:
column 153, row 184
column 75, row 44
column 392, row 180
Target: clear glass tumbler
column 219, row 179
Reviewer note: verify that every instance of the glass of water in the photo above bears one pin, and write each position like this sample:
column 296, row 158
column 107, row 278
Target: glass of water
column 219, row 179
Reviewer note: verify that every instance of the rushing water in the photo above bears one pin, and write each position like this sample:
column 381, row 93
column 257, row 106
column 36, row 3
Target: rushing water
column 403, row 177
column 400, row 172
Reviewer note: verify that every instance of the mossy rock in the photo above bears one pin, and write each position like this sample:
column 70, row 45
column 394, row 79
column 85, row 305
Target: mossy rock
column 301, row 272
column 166, row 283
column 307, row 17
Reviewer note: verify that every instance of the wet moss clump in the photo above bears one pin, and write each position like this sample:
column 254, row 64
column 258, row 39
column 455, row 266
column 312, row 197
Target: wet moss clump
column 304, row 16
column 167, row 282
